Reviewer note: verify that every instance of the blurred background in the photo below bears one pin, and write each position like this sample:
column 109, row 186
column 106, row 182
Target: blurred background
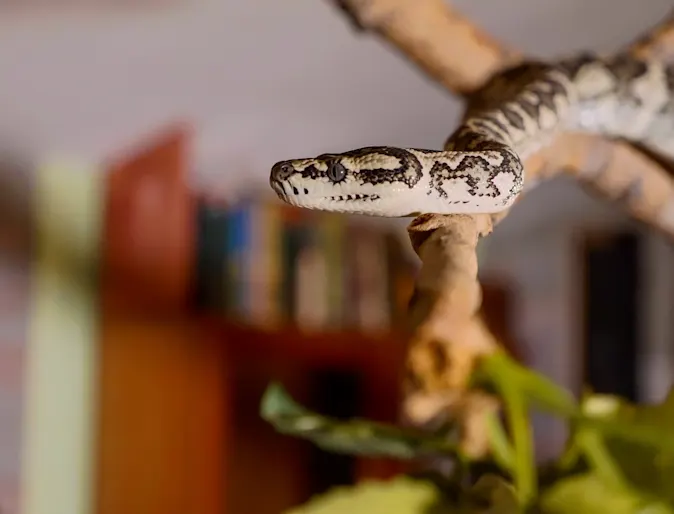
column 152, row 286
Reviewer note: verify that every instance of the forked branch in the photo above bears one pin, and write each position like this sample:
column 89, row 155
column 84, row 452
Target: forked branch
column 619, row 172
column 657, row 43
column 444, row 44
column 448, row 336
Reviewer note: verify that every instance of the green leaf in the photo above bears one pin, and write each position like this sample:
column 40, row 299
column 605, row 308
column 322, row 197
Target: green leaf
column 402, row 495
column 588, row 494
column 405, row 495
column 356, row 436
column 492, row 495
column 648, row 467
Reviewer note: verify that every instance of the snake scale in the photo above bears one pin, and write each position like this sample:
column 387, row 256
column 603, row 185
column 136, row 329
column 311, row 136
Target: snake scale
column 480, row 170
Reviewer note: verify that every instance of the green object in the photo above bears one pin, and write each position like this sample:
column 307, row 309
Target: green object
column 405, row 495
column 400, row 496
column 619, row 458
column 587, row 494
column 360, row 437
column 648, row 467
column 491, row 495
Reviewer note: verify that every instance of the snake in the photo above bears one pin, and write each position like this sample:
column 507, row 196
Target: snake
column 480, row 169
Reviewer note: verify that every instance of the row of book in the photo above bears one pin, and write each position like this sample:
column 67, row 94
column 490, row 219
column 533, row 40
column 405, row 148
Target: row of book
column 273, row 265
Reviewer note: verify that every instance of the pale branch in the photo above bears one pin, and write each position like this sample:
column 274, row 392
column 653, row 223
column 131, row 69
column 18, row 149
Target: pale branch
column 448, row 334
column 447, row 294
column 619, row 172
column 453, row 51
column 657, row 43
column 444, row 44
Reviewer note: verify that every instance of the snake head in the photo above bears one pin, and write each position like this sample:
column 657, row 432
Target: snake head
column 376, row 181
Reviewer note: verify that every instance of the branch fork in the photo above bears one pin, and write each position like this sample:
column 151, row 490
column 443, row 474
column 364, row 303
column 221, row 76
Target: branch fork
column 448, row 336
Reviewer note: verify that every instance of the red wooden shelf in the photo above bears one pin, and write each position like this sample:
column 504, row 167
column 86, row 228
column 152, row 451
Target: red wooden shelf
column 337, row 348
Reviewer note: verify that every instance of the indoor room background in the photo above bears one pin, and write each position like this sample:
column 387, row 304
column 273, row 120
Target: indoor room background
column 215, row 92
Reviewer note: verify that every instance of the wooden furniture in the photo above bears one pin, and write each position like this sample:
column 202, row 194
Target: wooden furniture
column 163, row 389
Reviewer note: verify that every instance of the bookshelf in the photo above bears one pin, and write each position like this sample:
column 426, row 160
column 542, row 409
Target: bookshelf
column 188, row 340
column 276, row 267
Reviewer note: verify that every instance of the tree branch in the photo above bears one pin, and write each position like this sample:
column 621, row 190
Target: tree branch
column 448, row 335
column 430, row 33
column 619, row 172
column 657, row 43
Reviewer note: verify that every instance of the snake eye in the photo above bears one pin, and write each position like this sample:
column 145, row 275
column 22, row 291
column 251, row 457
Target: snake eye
column 336, row 171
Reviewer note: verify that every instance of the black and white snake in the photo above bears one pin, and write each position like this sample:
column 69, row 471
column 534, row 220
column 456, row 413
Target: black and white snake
column 481, row 168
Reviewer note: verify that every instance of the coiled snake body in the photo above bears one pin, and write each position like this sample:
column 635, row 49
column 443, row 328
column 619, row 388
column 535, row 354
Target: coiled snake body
column 480, row 170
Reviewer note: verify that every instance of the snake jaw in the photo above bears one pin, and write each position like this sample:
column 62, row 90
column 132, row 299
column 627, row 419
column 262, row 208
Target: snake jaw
column 355, row 203
column 331, row 197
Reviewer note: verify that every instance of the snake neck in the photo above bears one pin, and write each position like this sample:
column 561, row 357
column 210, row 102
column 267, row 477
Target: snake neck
column 521, row 109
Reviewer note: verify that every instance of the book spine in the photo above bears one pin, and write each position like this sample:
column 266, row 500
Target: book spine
column 373, row 306
column 350, row 277
column 210, row 286
column 311, row 307
column 273, row 237
column 254, row 277
column 238, row 241
column 290, row 217
column 332, row 231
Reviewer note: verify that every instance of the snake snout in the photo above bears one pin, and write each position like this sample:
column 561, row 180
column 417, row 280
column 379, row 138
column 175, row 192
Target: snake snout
column 281, row 171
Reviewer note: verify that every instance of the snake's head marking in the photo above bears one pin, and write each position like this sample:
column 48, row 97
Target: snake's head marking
column 364, row 181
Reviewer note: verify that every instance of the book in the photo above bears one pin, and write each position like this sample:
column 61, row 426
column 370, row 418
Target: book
column 282, row 265
column 211, row 250
column 236, row 260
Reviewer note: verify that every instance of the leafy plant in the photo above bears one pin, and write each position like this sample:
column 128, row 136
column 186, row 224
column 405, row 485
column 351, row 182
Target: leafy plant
column 619, row 456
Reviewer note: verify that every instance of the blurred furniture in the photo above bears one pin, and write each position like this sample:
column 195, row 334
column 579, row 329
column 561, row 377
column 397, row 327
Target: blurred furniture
column 611, row 292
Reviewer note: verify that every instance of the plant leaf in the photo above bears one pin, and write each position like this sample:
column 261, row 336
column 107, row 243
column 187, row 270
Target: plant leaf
column 402, row 495
column 492, row 494
column 406, row 495
column 354, row 436
column 587, row 494
column 648, row 467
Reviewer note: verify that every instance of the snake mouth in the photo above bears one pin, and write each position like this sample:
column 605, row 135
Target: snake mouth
column 346, row 198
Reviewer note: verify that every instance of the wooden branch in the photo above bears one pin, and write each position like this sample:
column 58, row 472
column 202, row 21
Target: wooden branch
column 444, row 44
column 448, row 335
column 620, row 173
column 657, row 43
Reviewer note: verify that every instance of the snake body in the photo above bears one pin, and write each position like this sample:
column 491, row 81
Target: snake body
column 481, row 168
